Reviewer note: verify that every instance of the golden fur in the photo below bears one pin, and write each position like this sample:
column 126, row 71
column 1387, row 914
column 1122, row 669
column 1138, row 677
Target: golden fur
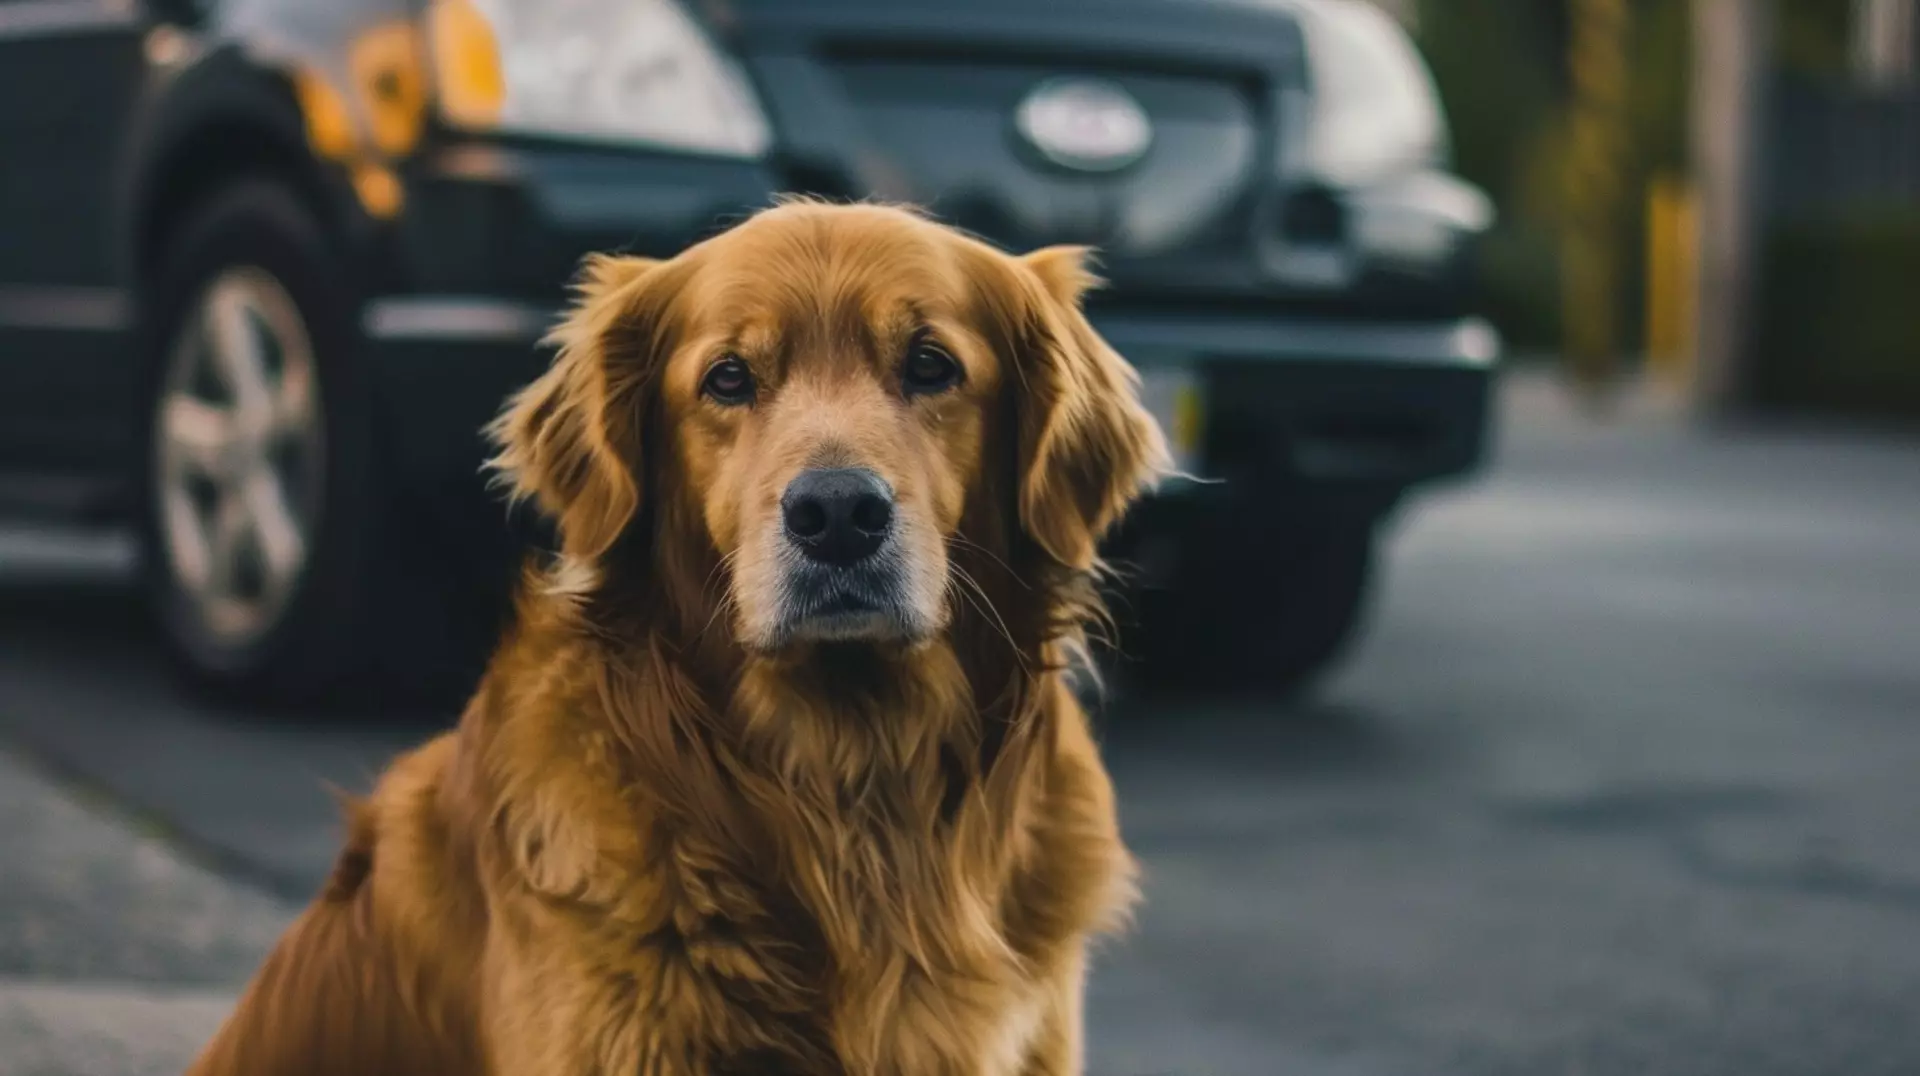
column 663, row 840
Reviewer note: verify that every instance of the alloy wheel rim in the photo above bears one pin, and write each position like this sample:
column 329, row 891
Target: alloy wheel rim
column 239, row 455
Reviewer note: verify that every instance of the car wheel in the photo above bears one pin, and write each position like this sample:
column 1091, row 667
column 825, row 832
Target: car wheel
column 258, row 511
column 1241, row 613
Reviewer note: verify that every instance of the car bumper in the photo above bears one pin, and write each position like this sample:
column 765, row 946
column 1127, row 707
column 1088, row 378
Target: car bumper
column 1283, row 402
column 1286, row 403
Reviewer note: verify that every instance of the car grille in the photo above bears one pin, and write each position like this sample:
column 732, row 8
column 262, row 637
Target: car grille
column 941, row 132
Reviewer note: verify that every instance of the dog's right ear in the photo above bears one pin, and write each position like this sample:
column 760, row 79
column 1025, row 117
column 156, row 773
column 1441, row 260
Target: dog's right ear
column 570, row 441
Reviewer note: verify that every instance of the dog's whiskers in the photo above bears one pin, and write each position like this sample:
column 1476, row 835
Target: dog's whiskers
column 726, row 600
column 719, row 567
column 984, row 605
column 968, row 543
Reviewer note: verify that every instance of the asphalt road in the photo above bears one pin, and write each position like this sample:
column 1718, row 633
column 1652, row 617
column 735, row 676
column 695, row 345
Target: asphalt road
column 1624, row 779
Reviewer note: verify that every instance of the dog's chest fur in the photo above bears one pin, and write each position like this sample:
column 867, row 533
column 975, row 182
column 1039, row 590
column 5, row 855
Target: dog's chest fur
column 873, row 926
column 873, row 954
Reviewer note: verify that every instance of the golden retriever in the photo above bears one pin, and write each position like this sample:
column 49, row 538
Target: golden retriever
column 777, row 770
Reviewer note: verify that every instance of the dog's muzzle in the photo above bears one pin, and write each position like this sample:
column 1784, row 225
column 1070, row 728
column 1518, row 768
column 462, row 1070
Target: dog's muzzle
column 844, row 577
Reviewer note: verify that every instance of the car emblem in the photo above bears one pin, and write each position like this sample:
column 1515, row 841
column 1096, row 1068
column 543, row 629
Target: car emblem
column 1089, row 125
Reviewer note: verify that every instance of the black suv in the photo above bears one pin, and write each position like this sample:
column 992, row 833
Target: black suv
column 266, row 266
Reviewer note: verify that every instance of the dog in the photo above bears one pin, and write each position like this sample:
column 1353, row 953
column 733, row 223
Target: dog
column 777, row 768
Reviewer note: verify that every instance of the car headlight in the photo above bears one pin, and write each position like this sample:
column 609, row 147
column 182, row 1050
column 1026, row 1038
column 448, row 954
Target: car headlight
column 1363, row 157
column 631, row 71
column 1375, row 107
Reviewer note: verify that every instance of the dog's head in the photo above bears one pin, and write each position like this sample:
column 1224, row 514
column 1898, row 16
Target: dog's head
column 817, row 407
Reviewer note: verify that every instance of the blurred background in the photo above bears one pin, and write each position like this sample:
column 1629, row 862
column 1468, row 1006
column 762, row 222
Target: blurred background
column 1534, row 688
column 1612, row 134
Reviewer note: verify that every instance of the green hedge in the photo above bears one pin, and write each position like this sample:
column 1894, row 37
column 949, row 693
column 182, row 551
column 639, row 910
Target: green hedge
column 1838, row 325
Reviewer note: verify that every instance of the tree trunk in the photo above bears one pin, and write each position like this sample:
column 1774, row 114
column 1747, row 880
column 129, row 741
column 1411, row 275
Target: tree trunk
column 1731, row 41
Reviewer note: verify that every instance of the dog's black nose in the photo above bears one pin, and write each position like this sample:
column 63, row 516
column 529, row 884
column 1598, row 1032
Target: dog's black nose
column 837, row 515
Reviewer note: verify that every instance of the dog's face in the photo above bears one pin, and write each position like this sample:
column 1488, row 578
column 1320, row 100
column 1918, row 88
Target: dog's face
column 830, row 385
column 830, row 398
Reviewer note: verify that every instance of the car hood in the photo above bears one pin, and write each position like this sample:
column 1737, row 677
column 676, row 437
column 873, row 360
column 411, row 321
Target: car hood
column 1251, row 34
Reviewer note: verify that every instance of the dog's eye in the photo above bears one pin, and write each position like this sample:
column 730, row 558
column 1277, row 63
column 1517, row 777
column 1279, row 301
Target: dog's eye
column 729, row 382
column 929, row 369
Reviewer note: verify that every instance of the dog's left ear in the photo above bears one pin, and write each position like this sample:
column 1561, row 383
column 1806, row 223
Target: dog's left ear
column 570, row 440
column 1087, row 446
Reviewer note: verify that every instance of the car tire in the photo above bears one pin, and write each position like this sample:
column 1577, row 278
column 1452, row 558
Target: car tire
column 258, row 511
column 1266, row 613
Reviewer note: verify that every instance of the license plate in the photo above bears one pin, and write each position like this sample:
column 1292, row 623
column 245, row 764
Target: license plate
column 1174, row 397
